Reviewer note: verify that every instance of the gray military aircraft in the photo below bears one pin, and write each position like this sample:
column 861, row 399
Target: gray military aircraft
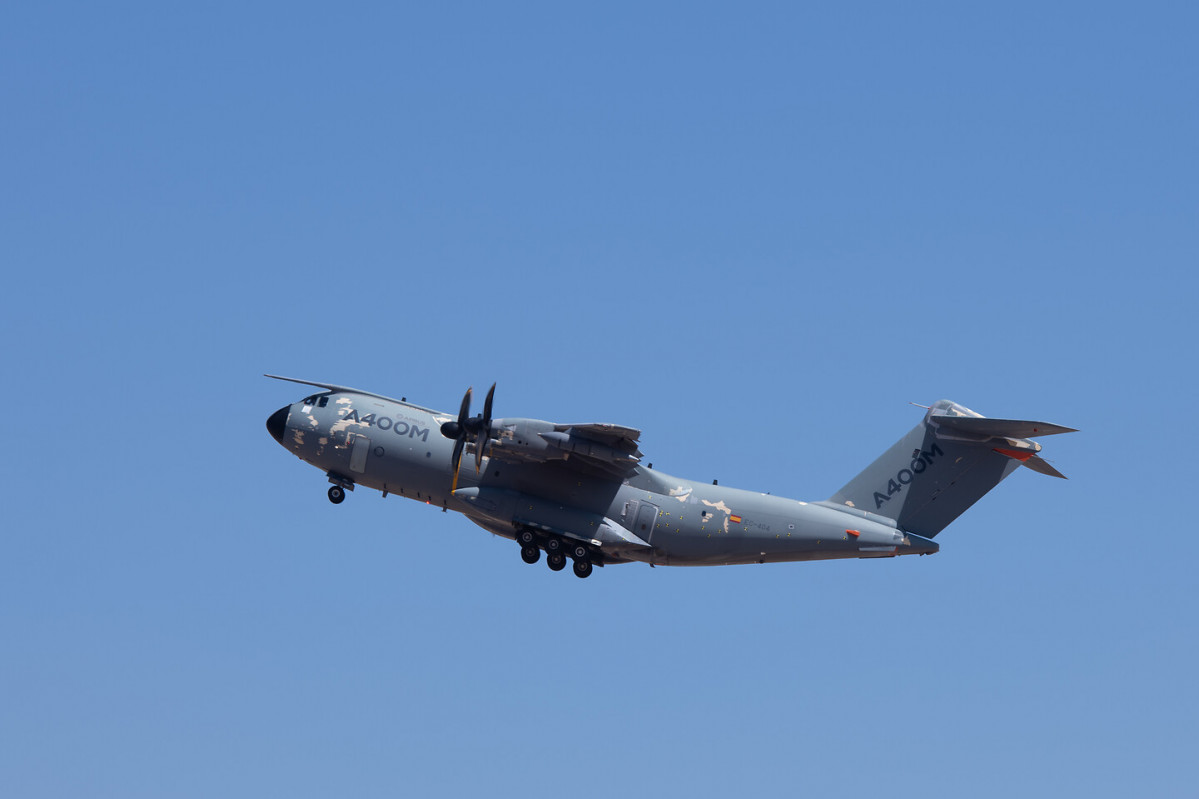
column 579, row 491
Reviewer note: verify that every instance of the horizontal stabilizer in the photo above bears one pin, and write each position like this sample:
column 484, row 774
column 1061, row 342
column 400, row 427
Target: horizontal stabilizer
column 999, row 428
column 1039, row 464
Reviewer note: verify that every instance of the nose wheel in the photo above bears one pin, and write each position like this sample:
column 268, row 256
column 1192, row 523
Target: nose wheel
column 337, row 491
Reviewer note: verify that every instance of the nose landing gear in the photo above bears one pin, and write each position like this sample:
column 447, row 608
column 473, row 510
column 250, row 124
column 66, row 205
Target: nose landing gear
column 337, row 491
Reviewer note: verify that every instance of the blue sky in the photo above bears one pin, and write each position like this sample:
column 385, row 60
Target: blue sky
column 755, row 233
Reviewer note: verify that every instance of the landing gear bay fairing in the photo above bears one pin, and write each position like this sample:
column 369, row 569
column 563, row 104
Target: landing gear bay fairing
column 579, row 492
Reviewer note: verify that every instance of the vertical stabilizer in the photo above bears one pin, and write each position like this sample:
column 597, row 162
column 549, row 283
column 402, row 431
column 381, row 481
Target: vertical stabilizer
column 943, row 466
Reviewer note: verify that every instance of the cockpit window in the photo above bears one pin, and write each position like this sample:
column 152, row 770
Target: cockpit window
column 310, row 400
column 324, row 401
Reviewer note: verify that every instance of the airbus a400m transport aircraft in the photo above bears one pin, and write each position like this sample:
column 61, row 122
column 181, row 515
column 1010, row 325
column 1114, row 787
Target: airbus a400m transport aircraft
column 580, row 491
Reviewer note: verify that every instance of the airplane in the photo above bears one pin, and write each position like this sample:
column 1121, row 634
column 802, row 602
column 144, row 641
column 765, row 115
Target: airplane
column 580, row 491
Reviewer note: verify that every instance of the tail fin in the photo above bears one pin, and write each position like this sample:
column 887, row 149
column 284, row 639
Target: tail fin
column 945, row 465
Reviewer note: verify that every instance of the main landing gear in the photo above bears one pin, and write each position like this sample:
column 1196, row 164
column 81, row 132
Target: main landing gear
column 556, row 552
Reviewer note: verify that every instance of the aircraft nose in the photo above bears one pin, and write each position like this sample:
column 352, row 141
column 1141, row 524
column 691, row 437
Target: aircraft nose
column 276, row 422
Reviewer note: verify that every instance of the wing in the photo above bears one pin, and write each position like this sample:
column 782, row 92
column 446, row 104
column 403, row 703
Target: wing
column 502, row 511
column 612, row 434
column 607, row 448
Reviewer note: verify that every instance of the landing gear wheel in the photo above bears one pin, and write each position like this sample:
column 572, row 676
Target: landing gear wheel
column 580, row 552
column 556, row 561
column 526, row 538
column 530, row 554
column 337, row 495
column 582, row 568
column 553, row 545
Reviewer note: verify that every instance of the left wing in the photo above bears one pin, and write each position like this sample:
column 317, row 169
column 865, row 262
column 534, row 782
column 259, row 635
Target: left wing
column 502, row 511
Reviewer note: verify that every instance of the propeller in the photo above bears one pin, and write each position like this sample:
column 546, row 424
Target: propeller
column 469, row 428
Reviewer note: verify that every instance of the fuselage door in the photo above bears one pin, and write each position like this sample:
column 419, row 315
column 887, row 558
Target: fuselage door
column 647, row 517
column 360, row 447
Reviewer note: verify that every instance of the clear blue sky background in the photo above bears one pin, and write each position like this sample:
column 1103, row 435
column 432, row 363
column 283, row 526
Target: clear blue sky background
column 753, row 231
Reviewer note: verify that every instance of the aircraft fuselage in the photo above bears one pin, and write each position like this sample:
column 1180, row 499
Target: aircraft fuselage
column 522, row 491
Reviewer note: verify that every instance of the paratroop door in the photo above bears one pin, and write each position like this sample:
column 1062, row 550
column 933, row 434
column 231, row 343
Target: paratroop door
column 647, row 517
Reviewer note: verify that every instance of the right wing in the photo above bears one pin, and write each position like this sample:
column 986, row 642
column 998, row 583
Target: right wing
column 609, row 448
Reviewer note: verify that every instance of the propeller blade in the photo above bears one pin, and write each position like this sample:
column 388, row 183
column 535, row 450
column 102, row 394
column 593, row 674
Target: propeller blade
column 456, row 462
column 464, row 411
column 487, row 406
column 456, row 429
column 484, row 434
column 457, row 456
